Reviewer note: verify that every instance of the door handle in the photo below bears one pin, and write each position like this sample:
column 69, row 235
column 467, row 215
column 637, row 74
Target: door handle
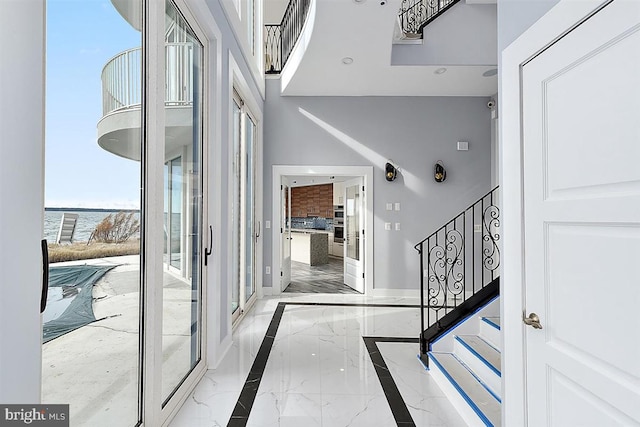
column 532, row 320
column 207, row 251
column 45, row 275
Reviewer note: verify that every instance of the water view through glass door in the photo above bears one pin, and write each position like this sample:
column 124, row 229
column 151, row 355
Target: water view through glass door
column 182, row 279
column 91, row 327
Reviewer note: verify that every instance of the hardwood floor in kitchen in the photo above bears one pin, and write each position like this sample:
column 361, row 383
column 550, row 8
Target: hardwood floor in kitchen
column 325, row 279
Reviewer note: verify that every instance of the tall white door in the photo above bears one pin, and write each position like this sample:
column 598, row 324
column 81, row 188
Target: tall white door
column 354, row 234
column 581, row 110
column 285, row 233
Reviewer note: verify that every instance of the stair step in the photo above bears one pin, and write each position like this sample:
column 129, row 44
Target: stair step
column 481, row 359
column 488, row 354
column 457, row 382
column 490, row 330
column 493, row 321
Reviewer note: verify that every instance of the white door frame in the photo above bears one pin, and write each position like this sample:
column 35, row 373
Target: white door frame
column 278, row 172
column 566, row 15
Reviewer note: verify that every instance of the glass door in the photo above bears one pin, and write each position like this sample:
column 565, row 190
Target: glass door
column 236, row 213
column 251, row 233
column 91, row 327
column 285, row 230
column 123, row 327
column 244, row 228
column 354, row 235
column 182, row 277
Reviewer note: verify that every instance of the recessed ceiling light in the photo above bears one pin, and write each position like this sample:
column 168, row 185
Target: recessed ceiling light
column 440, row 71
column 491, row 72
column 359, row 1
column 347, row 60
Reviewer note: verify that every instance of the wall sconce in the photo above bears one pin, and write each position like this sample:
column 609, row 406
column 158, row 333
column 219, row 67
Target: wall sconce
column 439, row 174
column 390, row 172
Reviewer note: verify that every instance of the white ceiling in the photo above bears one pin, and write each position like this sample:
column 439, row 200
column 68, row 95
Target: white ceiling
column 364, row 31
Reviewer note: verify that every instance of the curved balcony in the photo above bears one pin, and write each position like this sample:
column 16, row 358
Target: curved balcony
column 119, row 128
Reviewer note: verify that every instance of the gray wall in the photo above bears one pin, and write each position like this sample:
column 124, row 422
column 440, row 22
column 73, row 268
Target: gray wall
column 466, row 34
column 413, row 131
column 222, row 320
column 515, row 16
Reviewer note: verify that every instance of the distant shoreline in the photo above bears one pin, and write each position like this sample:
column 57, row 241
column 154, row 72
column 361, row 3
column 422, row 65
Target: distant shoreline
column 90, row 210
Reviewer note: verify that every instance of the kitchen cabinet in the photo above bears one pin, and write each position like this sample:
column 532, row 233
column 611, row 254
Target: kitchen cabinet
column 338, row 249
column 338, row 193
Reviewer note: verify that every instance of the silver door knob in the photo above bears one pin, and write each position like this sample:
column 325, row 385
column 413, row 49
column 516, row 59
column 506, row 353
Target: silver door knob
column 532, row 320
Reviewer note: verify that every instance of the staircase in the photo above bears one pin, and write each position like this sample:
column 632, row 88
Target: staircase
column 414, row 15
column 460, row 312
column 466, row 366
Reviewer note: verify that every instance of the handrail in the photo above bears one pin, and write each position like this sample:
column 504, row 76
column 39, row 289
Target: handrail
column 122, row 78
column 461, row 213
column 414, row 15
column 280, row 39
column 458, row 261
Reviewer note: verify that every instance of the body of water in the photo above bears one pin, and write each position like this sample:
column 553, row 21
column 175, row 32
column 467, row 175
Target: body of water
column 87, row 221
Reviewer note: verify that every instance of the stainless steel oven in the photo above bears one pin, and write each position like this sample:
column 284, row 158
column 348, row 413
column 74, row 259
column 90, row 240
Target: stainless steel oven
column 338, row 223
column 338, row 233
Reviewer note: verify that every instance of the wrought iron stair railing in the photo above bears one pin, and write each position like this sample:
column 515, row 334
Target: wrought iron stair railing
column 281, row 38
column 414, row 15
column 458, row 269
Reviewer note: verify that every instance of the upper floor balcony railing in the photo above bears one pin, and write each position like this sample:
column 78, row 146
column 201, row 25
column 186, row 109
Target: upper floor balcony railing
column 280, row 39
column 122, row 78
column 414, row 15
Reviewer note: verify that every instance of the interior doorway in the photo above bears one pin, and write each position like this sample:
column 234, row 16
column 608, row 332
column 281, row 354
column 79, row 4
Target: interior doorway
column 313, row 248
column 314, row 208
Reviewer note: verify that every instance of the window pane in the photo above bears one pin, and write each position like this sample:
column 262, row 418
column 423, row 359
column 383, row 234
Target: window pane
column 235, row 209
column 353, row 222
column 91, row 333
column 249, row 209
column 182, row 279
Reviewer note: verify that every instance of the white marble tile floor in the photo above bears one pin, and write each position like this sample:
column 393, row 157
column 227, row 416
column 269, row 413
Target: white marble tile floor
column 319, row 371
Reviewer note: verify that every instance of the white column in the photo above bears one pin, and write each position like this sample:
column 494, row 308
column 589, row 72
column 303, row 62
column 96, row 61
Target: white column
column 22, row 68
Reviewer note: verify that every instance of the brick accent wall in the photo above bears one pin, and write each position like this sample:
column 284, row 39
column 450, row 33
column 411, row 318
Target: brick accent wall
column 312, row 200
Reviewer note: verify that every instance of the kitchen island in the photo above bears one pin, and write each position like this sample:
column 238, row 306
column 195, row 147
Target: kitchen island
column 310, row 246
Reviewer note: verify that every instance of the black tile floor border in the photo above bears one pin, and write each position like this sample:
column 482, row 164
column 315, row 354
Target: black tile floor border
column 394, row 398
column 240, row 415
column 242, row 410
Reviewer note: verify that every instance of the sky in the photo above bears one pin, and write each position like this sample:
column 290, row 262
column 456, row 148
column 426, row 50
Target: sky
column 82, row 36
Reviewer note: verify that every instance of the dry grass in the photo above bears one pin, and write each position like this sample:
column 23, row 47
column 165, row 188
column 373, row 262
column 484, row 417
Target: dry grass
column 78, row 251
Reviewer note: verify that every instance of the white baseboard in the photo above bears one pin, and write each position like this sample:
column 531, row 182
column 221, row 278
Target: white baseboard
column 267, row 292
column 400, row 293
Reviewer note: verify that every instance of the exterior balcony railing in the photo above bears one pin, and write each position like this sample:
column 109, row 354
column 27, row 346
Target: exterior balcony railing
column 122, row 78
